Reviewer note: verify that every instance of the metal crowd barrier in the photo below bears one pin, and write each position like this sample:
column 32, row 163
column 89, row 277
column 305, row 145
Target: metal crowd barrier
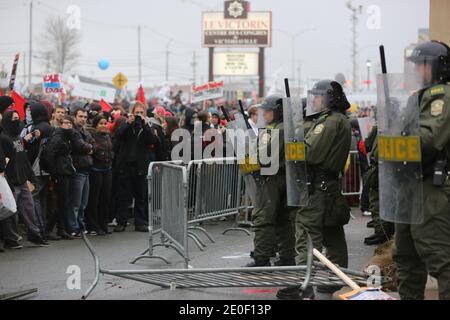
column 213, row 189
column 312, row 273
column 352, row 181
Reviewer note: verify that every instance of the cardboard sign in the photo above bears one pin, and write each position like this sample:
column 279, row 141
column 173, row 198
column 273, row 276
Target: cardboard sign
column 94, row 92
column 210, row 90
column 53, row 84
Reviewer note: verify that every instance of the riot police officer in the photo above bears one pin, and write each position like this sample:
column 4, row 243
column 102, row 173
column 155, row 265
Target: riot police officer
column 424, row 248
column 272, row 219
column 327, row 149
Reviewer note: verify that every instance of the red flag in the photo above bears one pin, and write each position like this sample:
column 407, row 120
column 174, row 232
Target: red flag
column 141, row 95
column 19, row 104
column 106, row 107
column 1, row 92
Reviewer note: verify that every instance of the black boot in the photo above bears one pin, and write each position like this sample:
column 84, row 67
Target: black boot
column 295, row 293
column 377, row 240
column 370, row 237
column 285, row 262
column 259, row 262
column 371, row 224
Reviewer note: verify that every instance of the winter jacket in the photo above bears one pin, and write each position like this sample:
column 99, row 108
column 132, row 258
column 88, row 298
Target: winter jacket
column 134, row 148
column 59, row 147
column 103, row 150
column 82, row 146
column 18, row 170
column 39, row 115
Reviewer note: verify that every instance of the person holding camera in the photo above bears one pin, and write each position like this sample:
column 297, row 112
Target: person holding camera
column 136, row 141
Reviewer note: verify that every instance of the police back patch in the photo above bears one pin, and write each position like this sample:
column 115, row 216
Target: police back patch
column 437, row 107
column 437, row 91
column 319, row 129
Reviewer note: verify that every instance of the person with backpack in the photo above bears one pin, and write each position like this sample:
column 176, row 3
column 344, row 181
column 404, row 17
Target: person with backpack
column 56, row 159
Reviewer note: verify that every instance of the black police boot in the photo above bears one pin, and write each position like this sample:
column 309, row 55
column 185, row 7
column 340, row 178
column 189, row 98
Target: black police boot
column 295, row 293
column 370, row 238
column 371, row 224
column 258, row 262
column 377, row 240
column 285, row 262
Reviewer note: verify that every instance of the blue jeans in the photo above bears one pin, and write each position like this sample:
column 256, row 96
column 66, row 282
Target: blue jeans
column 79, row 196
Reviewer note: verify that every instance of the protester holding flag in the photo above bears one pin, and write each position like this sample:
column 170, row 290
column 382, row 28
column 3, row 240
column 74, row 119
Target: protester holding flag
column 100, row 179
column 134, row 138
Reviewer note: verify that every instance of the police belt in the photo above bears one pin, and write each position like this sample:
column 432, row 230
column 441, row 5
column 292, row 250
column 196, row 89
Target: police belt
column 322, row 176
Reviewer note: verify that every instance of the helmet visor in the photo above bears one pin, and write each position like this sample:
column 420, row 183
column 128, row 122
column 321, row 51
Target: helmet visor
column 317, row 102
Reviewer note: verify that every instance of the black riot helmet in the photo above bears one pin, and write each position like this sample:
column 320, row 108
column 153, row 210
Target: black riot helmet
column 326, row 95
column 275, row 103
column 436, row 54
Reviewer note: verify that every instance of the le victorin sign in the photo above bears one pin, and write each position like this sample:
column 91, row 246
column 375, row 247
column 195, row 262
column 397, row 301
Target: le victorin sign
column 253, row 32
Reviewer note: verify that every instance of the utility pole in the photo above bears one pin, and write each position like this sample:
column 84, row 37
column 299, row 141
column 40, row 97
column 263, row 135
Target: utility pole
column 139, row 54
column 194, row 68
column 30, row 58
column 299, row 70
column 356, row 10
column 167, row 59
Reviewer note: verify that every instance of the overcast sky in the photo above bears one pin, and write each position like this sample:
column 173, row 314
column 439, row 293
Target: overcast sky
column 109, row 30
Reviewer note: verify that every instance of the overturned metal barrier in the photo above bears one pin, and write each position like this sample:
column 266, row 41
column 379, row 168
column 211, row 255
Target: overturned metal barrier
column 213, row 188
column 312, row 274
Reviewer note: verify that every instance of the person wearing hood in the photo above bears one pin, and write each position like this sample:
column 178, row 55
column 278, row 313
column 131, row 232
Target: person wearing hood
column 6, row 103
column 190, row 116
column 20, row 176
column 35, row 134
column 9, row 236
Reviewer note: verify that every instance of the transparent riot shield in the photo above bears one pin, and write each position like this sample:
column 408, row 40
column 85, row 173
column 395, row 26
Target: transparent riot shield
column 399, row 149
column 244, row 143
column 295, row 157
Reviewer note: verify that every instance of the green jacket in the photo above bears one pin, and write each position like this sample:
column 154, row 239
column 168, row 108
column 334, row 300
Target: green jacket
column 434, row 121
column 328, row 143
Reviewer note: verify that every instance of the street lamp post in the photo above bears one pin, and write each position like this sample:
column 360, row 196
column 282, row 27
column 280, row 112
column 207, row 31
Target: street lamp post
column 368, row 65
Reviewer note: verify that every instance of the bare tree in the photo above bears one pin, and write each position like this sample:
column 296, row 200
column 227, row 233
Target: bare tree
column 61, row 44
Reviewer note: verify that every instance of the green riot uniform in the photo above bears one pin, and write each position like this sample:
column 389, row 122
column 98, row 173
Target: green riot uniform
column 273, row 221
column 425, row 248
column 327, row 148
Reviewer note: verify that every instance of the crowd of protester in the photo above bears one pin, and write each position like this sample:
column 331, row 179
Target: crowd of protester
column 75, row 168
